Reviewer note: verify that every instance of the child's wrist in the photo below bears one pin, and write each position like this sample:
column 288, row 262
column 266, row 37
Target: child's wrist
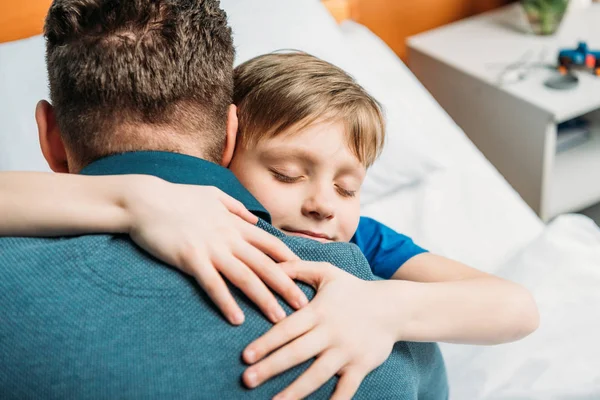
column 134, row 192
column 396, row 318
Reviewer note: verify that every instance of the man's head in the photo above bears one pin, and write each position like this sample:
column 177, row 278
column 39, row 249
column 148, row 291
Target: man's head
column 129, row 75
column 307, row 133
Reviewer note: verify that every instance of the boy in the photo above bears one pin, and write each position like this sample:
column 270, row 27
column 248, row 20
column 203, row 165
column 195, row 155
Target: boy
column 307, row 134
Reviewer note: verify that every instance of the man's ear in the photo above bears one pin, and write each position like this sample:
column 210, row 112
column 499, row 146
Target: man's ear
column 231, row 136
column 51, row 143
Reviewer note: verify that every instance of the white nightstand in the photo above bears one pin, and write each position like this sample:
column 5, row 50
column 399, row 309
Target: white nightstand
column 514, row 124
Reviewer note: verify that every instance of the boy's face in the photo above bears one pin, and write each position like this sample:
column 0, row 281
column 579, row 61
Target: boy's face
column 309, row 181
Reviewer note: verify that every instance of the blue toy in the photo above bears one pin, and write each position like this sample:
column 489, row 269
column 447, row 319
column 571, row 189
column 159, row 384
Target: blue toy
column 582, row 56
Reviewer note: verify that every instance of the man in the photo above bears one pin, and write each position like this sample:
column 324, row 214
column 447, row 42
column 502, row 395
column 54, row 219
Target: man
column 144, row 87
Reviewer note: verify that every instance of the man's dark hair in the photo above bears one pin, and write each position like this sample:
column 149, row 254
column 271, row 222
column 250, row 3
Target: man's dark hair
column 120, row 67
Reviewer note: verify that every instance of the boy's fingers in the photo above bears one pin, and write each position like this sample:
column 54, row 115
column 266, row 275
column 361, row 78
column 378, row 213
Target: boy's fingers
column 247, row 281
column 236, row 207
column 290, row 355
column 268, row 244
column 283, row 332
column 211, row 282
column 312, row 273
column 348, row 384
column 325, row 367
column 271, row 274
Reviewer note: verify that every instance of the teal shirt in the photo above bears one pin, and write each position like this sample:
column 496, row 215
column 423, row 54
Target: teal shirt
column 95, row 317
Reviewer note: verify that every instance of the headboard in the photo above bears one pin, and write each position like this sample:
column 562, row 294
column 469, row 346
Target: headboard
column 395, row 20
column 22, row 18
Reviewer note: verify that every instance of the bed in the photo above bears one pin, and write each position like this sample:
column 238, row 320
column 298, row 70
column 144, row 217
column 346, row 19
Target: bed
column 431, row 183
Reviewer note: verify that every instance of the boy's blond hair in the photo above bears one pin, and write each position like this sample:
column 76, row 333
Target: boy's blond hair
column 278, row 91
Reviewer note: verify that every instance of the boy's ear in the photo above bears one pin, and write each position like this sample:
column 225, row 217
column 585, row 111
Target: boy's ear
column 231, row 136
column 51, row 143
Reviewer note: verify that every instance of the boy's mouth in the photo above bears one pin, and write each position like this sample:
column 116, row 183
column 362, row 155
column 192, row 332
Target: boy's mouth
column 318, row 236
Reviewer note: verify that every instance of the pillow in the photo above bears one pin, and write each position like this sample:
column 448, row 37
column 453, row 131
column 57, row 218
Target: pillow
column 262, row 26
column 412, row 116
column 23, row 83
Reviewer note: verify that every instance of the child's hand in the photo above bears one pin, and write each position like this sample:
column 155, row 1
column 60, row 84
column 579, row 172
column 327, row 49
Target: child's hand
column 345, row 326
column 206, row 233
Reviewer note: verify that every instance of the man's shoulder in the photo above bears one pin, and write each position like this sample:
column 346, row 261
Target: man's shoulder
column 28, row 250
column 23, row 255
column 48, row 247
column 71, row 258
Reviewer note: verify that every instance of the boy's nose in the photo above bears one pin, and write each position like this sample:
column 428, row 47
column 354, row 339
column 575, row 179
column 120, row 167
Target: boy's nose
column 318, row 207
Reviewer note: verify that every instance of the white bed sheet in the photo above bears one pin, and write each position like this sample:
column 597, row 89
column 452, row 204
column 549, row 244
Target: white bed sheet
column 561, row 360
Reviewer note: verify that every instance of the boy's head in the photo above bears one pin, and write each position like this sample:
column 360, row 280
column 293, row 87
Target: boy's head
column 135, row 75
column 307, row 134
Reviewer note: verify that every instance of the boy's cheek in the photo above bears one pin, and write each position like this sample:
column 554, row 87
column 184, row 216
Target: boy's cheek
column 356, row 218
column 278, row 200
column 351, row 220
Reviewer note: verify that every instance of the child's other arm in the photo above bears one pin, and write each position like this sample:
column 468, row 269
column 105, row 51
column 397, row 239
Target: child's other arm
column 351, row 324
column 451, row 302
column 48, row 204
column 444, row 300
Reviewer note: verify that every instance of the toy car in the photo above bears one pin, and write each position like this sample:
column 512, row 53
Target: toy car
column 582, row 56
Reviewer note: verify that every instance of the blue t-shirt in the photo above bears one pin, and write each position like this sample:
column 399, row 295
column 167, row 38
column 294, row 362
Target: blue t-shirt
column 385, row 248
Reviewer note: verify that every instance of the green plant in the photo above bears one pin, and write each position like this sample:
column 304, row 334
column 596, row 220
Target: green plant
column 545, row 15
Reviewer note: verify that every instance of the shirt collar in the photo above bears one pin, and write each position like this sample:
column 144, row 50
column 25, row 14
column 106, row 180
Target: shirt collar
column 177, row 168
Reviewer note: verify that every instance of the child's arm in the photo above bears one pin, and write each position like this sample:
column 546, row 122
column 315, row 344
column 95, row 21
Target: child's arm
column 451, row 302
column 200, row 230
column 351, row 325
column 395, row 256
column 48, row 204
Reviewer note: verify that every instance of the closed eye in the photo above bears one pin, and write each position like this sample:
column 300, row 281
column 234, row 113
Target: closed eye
column 284, row 178
column 345, row 192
